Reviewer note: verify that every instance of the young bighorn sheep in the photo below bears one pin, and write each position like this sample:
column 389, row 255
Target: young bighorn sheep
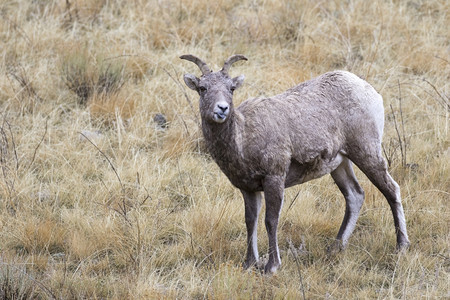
column 318, row 127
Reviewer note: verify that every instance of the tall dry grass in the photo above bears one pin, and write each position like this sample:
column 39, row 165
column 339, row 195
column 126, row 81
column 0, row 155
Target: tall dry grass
column 98, row 201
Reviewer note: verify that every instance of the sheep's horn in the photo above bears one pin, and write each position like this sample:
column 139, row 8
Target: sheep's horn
column 200, row 63
column 231, row 60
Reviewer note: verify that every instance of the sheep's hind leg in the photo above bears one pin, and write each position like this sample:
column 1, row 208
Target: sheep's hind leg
column 375, row 168
column 345, row 179
column 252, row 202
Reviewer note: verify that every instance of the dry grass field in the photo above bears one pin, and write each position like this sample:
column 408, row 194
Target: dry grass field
column 99, row 201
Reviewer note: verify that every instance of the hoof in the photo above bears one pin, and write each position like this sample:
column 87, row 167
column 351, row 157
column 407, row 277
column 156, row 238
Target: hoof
column 254, row 264
column 403, row 247
column 336, row 247
column 271, row 269
column 247, row 265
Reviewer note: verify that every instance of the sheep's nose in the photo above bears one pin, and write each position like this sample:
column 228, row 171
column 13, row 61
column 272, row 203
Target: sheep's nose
column 223, row 106
column 221, row 111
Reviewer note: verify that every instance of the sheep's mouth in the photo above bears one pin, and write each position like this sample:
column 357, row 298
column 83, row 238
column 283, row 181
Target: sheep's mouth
column 219, row 117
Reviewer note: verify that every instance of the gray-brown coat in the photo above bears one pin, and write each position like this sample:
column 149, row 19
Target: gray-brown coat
column 318, row 127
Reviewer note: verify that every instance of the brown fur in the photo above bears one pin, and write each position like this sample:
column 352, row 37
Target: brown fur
column 315, row 128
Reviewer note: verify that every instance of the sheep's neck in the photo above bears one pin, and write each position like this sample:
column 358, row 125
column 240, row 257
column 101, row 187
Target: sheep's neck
column 223, row 143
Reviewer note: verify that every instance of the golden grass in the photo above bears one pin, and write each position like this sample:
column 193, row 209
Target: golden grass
column 135, row 211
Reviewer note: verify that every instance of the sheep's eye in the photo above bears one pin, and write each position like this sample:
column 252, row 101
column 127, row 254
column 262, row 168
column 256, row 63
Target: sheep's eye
column 202, row 89
column 232, row 89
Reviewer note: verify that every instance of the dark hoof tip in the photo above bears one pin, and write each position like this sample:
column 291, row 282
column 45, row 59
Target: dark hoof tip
column 335, row 248
column 403, row 247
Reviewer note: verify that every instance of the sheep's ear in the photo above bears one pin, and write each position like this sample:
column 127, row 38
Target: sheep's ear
column 191, row 81
column 237, row 81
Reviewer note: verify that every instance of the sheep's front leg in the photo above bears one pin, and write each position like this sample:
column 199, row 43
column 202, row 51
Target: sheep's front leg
column 273, row 194
column 252, row 202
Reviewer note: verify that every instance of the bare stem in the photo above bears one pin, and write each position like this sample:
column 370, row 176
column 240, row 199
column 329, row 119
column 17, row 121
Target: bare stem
column 38, row 145
column 178, row 83
column 294, row 254
column 106, row 157
column 403, row 125
column 398, row 134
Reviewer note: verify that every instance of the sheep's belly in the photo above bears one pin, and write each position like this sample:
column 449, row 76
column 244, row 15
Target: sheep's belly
column 300, row 173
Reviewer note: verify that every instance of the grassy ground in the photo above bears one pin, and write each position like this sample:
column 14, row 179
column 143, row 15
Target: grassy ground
column 98, row 201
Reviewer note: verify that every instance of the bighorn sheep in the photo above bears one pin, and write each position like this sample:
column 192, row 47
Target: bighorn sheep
column 318, row 127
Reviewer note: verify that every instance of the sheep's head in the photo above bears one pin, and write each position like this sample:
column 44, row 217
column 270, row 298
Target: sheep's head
column 215, row 88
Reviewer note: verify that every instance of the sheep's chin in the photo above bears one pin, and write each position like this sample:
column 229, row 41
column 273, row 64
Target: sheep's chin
column 219, row 118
